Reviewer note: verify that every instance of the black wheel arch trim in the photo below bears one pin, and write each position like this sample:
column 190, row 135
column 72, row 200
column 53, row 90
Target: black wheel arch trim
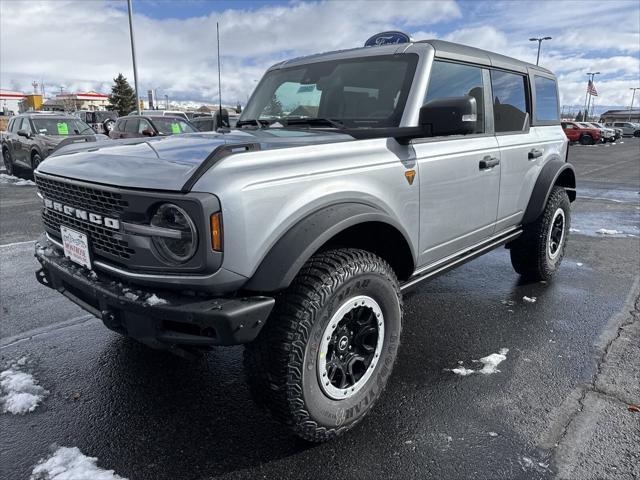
column 287, row 256
column 554, row 172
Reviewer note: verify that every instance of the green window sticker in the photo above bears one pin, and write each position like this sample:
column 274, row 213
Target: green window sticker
column 175, row 128
column 63, row 128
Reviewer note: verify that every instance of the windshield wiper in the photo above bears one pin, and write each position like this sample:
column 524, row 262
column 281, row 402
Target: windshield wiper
column 315, row 121
column 253, row 121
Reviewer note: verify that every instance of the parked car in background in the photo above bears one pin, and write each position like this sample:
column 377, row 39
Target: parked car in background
column 628, row 128
column 207, row 122
column 582, row 133
column 150, row 126
column 162, row 113
column 608, row 134
column 101, row 121
column 32, row 137
column 618, row 130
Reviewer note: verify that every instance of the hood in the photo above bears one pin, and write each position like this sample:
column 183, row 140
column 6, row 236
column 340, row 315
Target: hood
column 165, row 163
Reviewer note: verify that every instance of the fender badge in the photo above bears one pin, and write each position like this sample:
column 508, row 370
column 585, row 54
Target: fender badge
column 410, row 175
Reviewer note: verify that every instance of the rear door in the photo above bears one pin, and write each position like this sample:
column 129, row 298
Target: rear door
column 459, row 174
column 520, row 151
column 131, row 128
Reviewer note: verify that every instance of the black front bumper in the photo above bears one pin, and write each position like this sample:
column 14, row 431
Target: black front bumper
column 183, row 319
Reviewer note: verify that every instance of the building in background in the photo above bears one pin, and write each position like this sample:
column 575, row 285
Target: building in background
column 70, row 102
column 621, row 115
column 10, row 101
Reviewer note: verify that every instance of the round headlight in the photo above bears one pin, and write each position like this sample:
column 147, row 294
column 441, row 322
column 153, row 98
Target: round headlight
column 181, row 248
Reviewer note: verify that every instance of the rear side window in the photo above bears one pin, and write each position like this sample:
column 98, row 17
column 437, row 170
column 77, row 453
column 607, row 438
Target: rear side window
column 509, row 101
column 546, row 99
column 131, row 126
column 456, row 80
column 119, row 127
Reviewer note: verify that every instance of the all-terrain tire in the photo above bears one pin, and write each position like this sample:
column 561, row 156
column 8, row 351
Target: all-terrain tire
column 283, row 365
column 538, row 252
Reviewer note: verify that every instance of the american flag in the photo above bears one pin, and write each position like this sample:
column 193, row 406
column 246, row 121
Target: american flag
column 591, row 89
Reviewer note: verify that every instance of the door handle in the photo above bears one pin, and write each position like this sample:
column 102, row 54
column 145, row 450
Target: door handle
column 488, row 163
column 535, row 153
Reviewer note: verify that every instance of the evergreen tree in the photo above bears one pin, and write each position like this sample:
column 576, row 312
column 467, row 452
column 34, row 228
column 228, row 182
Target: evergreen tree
column 274, row 108
column 579, row 116
column 123, row 97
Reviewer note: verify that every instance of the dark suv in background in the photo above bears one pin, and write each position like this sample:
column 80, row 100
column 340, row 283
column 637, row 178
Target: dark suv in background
column 31, row 137
column 133, row 126
column 101, row 121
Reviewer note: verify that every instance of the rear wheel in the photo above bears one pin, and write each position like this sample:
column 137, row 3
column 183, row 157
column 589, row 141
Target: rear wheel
column 8, row 161
column 324, row 356
column 538, row 253
column 586, row 140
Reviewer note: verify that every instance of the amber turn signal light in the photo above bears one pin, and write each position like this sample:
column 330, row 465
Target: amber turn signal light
column 216, row 231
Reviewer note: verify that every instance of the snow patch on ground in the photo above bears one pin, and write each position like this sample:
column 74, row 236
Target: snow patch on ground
column 579, row 264
column 529, row 464
column 574, row 230
column 155, row 300
column 68, row 463
column 530, row 299
column 10, row 179
column 490, row 364
column 606, row 231
column 20, row 391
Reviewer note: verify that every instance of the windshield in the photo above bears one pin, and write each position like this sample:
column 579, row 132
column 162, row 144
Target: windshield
column 355, row 92
column 170, row 126
column 62, row 126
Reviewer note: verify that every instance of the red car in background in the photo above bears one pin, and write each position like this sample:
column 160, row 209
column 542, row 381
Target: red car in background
column 576, row 132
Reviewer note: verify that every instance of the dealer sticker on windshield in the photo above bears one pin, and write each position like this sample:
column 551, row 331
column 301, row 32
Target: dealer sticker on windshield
column 76, row 246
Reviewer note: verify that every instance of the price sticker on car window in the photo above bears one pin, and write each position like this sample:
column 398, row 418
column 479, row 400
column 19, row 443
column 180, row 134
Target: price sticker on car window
column 63, row 128
column 175, row 128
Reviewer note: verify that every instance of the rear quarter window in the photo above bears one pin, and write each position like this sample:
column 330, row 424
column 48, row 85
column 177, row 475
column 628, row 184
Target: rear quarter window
column 546, row 91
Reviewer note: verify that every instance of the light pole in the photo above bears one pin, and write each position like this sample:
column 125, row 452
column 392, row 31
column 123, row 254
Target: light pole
column 587, row 96
column 133, row 56
column 539, row 40
column 632, row 98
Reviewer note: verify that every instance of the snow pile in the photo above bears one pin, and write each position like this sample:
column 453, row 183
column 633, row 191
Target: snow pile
column 579, row 264
column 530, row 299
column 575, row 230
column 527, row 463
column 490, row 364
column 605, row 231
column 20, row 391
column 155, row 300
column 10, row 179
column 68, row 463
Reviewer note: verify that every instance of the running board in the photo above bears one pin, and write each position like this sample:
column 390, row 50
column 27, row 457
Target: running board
column 460, row 259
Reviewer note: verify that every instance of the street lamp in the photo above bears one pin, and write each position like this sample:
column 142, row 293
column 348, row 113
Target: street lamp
column 632, row 98
column 539, row 40
column 133, row 55
column 587, row 96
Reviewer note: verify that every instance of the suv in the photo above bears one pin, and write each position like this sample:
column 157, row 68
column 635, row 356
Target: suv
column 608, row 134
column 31, row 137
column 581, row 132
column 102, row 121
column 297, row 234
column 628, row 128
column 133, row 126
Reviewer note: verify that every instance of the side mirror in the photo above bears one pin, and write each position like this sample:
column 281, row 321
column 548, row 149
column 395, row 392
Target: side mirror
column 147, row 132
column 450, row 115
column 24, row 133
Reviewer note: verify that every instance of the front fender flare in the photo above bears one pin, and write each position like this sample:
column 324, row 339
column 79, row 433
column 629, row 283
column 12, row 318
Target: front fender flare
column 285, row 259
column 554, row 172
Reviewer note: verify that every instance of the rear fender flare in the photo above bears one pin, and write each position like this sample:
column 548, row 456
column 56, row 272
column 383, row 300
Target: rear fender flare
column 554, row 172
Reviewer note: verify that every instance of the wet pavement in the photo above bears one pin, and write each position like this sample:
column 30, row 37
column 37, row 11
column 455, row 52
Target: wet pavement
column 557, row 408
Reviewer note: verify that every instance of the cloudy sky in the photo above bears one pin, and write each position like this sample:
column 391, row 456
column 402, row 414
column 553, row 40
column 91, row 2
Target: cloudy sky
column 82, row 45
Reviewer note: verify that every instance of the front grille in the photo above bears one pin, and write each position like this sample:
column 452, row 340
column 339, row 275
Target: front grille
column 102, row 239
column 87, row 198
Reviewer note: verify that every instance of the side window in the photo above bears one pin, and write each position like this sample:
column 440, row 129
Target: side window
column 26, row 125
column 546, row 99
column 119, row 126
column 509, row 101
column 144, row 125
column 12, row 125
column 131, row 126
column 456, row 80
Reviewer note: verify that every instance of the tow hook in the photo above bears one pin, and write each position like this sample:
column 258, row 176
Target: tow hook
column 42, row 278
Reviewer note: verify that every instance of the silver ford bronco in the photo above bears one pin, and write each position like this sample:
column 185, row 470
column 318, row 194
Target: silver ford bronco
column 351, row 176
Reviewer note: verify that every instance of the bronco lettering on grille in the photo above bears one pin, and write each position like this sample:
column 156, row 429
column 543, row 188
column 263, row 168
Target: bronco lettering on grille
column 112, row 223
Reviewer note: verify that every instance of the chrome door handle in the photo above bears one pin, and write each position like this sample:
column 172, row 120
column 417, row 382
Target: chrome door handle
column 535, row 153
column 488, row 163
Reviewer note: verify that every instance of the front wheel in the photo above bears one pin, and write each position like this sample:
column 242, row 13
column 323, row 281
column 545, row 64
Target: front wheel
column 36, row 159
column 8, row 161
column 324, row 356
column 538, row 252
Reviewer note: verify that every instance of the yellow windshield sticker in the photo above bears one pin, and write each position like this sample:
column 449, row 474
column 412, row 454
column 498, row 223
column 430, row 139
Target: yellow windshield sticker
column 63, row 128
column 175, row 128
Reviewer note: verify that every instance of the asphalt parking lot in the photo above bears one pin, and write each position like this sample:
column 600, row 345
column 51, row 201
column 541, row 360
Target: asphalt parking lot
column 558, row 408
